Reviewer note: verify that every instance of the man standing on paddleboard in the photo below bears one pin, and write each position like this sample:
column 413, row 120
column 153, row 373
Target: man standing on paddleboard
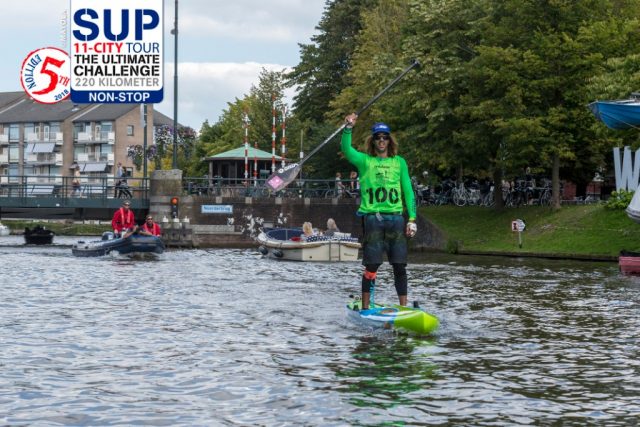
column 384, row 184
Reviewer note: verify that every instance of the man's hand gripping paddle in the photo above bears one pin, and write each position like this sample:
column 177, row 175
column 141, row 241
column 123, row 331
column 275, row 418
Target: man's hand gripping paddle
column 286, row 175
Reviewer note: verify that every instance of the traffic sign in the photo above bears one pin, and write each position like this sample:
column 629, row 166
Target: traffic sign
column 518, row 225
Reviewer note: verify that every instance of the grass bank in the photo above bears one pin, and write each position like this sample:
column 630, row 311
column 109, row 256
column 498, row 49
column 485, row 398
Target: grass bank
column 60, row 228
column 580, row 231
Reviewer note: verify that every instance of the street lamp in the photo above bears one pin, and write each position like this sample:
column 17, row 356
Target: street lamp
column 174, row 31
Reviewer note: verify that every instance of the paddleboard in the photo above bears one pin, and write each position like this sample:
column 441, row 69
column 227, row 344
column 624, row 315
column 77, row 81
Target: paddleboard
column 392, row 316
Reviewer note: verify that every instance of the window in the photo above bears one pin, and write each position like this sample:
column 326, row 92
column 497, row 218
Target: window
column 13, row 153
column 14, row 132
column 129, row 130
column 31, row 132
column 80, row 128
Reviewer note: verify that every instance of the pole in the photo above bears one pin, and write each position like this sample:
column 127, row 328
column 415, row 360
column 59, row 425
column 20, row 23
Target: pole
column 273, row 133
column 301, row 151
column 144, row 141
column 246, row 147
column 255, row 163
column 284, row 136
column 175, row 89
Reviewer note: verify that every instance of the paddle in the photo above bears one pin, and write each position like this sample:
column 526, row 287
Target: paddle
column 285, row 176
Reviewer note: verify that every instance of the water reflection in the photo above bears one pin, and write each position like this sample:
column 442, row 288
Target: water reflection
column 386, row 370
column 225, row 337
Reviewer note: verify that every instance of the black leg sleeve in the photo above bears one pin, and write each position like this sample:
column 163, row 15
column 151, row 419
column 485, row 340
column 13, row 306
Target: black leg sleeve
column 400, row 278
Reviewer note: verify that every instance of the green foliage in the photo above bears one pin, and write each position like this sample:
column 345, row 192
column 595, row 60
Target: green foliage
column 229, row 132
column 619, row 200
column 324, row 63
column 185, row 140
column 504, row 85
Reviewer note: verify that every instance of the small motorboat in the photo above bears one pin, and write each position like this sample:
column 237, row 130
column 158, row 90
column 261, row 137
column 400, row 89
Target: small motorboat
column 38, row 235
column 289, row 244
column 4, row 230
column 132, row 244
column 629, row 262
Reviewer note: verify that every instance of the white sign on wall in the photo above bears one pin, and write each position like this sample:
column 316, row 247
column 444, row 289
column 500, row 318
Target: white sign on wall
column 117, row 51
column 216, row 209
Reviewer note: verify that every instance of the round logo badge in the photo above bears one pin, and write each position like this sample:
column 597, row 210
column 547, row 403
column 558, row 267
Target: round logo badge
column 45, row 75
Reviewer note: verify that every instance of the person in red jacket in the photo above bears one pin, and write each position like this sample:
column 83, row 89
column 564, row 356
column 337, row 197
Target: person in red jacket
column 150, row 228
column 124, row 221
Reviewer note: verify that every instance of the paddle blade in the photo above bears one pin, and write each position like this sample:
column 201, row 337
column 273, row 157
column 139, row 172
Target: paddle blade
column 283, row 177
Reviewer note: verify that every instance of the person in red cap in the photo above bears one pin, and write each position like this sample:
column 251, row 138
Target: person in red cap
column 384, row 185
column 124, row 221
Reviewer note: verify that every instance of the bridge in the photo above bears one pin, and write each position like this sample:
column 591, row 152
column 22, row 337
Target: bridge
column 97, row 198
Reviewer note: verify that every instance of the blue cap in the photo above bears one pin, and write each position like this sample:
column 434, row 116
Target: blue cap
column 380, row 128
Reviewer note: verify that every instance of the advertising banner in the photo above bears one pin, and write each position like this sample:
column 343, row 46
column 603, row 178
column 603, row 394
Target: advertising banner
column 117, row 51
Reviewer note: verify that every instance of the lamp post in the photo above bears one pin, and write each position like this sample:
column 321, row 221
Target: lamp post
column 143, row 116
column 175, row 88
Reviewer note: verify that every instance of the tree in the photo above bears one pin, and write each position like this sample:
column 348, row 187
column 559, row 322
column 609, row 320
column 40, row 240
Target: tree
column 321, row 73
column 186, row 141
column 503, row 85
column 229, row 132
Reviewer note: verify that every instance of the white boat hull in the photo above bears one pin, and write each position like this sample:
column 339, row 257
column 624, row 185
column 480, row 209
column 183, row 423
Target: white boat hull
column 325, row 250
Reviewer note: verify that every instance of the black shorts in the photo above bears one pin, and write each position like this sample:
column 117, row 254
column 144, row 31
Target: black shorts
column 384, row 233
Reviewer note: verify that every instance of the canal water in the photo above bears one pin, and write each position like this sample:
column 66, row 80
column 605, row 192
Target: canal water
column 225, row 337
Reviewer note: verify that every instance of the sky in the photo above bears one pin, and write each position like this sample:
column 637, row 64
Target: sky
column 222, row 46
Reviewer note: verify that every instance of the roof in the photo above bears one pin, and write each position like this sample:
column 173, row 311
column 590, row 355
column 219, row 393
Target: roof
column 27, row 110
column 160, row 119
column 102, row 112
column 7, row 98
column 17, row 107
column 238, row 154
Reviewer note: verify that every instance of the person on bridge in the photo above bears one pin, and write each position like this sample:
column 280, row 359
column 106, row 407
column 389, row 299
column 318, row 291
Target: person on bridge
column 75, row 183
column 124, row 221
column 150, row 228
column 384, row 183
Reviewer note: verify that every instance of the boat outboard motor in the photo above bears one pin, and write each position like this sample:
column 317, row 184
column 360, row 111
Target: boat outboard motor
column 107, row 235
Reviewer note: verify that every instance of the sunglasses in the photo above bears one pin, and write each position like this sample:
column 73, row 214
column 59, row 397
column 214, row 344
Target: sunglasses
column 381, row 137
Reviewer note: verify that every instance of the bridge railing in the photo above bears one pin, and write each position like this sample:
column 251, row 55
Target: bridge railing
column 238, row 187
column 27, row 186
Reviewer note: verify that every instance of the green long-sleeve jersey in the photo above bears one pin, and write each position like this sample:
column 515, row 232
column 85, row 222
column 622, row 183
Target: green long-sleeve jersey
column 384, row 182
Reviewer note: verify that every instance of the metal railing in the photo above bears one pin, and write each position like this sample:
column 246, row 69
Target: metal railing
column 238, row 187
column 27, row 186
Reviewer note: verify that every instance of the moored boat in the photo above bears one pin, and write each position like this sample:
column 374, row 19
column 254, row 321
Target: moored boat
column 289, row 244
column 619, row 114
column 412, row 320
column 629, row 262
column 38, row 235
column 4, row 230
column 135, row 243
